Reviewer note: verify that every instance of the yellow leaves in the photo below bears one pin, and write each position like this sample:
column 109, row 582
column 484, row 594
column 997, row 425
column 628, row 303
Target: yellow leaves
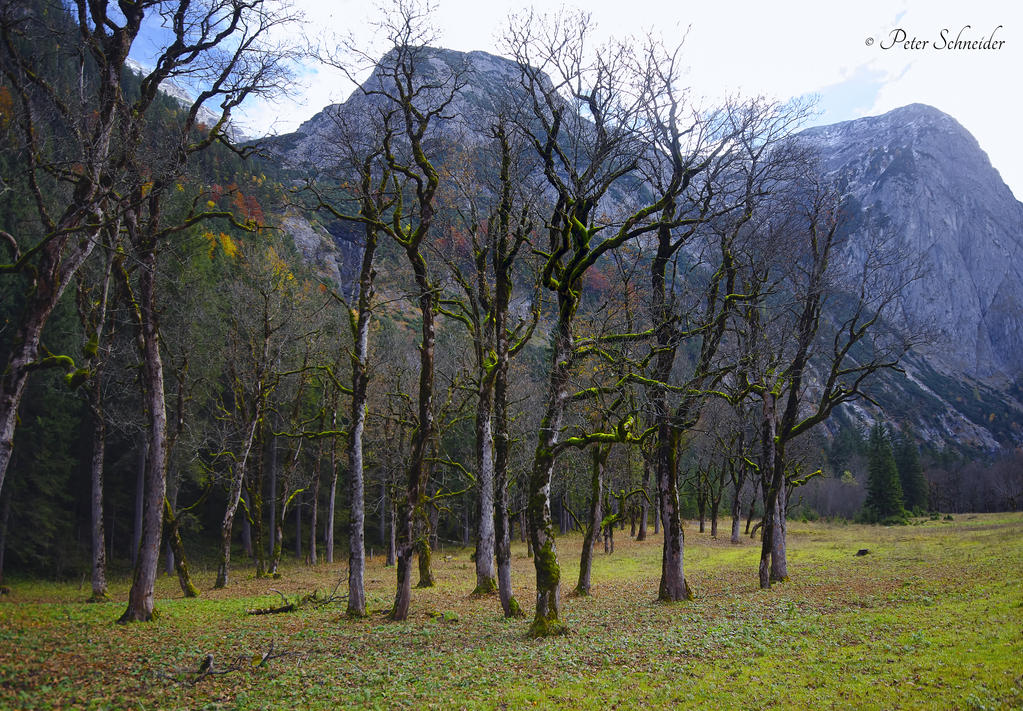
column 227, row 245
column 279, row 265
column 146, row 187
column 210, row 204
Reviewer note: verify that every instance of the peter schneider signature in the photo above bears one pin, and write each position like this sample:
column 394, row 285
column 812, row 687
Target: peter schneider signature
column 948, row 39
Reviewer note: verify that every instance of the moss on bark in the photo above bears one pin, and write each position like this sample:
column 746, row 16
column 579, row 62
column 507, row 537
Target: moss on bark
column 487, row 587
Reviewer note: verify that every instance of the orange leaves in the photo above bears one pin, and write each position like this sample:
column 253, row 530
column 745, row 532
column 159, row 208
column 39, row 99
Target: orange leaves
column 245, row 207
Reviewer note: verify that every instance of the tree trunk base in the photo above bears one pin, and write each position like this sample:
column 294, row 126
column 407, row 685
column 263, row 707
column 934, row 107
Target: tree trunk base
column 136, row 616
column 514, row 610
column 547, row 627
column 488, row 586
column 685, row 595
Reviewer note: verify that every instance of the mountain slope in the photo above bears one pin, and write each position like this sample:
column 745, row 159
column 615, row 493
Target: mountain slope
column 913, row 173
column 916, row 172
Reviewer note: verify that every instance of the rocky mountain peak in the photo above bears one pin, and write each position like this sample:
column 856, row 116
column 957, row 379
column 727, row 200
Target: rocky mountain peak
column 917, row 173
column 914, row 174
column 490, row 84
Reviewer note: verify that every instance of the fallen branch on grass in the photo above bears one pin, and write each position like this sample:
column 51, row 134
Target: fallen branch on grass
column 207, row 668
column 287, row 606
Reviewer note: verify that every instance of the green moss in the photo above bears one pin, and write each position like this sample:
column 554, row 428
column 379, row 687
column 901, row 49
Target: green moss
column 514, row 610
column 548, row 572
column 547, row 626
column 75, row 379
column 92, row 346
column 487, row 587
column 425, row 569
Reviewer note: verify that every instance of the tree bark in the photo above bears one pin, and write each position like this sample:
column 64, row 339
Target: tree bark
column 385, row 508
column 57, row 265
column 99, row 558
column 168, row 546
column 779, row 560
column 714, row 506
column 392, row 538
column 328, row 524
column 701, row 499
column 502, row 445
column 360, row 320
column 673, row 586
column 173, row 536
column 140, row 597
column 313, row 523
column 736, row 517
column 418, row 471
column 485, row 576
column 5, row 517
column 598, row 457
column 356, row 486
column 547, row 618
column 298, row 527
column 233, row 498
column 274, row 533
column 247, row 537
column 770, row 470
column 140, row 491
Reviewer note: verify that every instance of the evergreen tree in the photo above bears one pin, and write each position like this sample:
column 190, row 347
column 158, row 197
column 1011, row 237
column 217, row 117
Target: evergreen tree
column 884, row 491
column 911, row 474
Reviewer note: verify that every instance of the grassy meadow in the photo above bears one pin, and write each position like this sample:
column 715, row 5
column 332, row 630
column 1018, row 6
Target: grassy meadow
column 931, row 618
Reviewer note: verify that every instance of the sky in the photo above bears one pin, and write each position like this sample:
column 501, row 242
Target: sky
column 857, row 59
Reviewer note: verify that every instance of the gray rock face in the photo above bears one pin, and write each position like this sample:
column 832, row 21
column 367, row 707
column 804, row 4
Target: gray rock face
column 489, row 83
column 917, row 172
column 914, row 173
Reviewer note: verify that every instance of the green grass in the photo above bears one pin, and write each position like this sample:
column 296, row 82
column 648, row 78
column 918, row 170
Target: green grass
column 932, row 618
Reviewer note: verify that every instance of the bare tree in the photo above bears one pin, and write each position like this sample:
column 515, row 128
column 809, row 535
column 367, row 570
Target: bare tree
column 815, row 333
column 411, row 95
column 590, row 128
column 220, row 44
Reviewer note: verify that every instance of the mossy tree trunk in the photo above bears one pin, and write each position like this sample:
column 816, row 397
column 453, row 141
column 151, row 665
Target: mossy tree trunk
column 328, row 524
column 736, row 517
column 644, row 501
column 779, row 551
column 424, row 556
column 738, row 473
column 254, row 509
column 547, row 617
column 315, row 506
column 673, row 586
column 359, row 320
column 598, row 458
column 173, row 535
column 418, row 469
column 356, row 481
